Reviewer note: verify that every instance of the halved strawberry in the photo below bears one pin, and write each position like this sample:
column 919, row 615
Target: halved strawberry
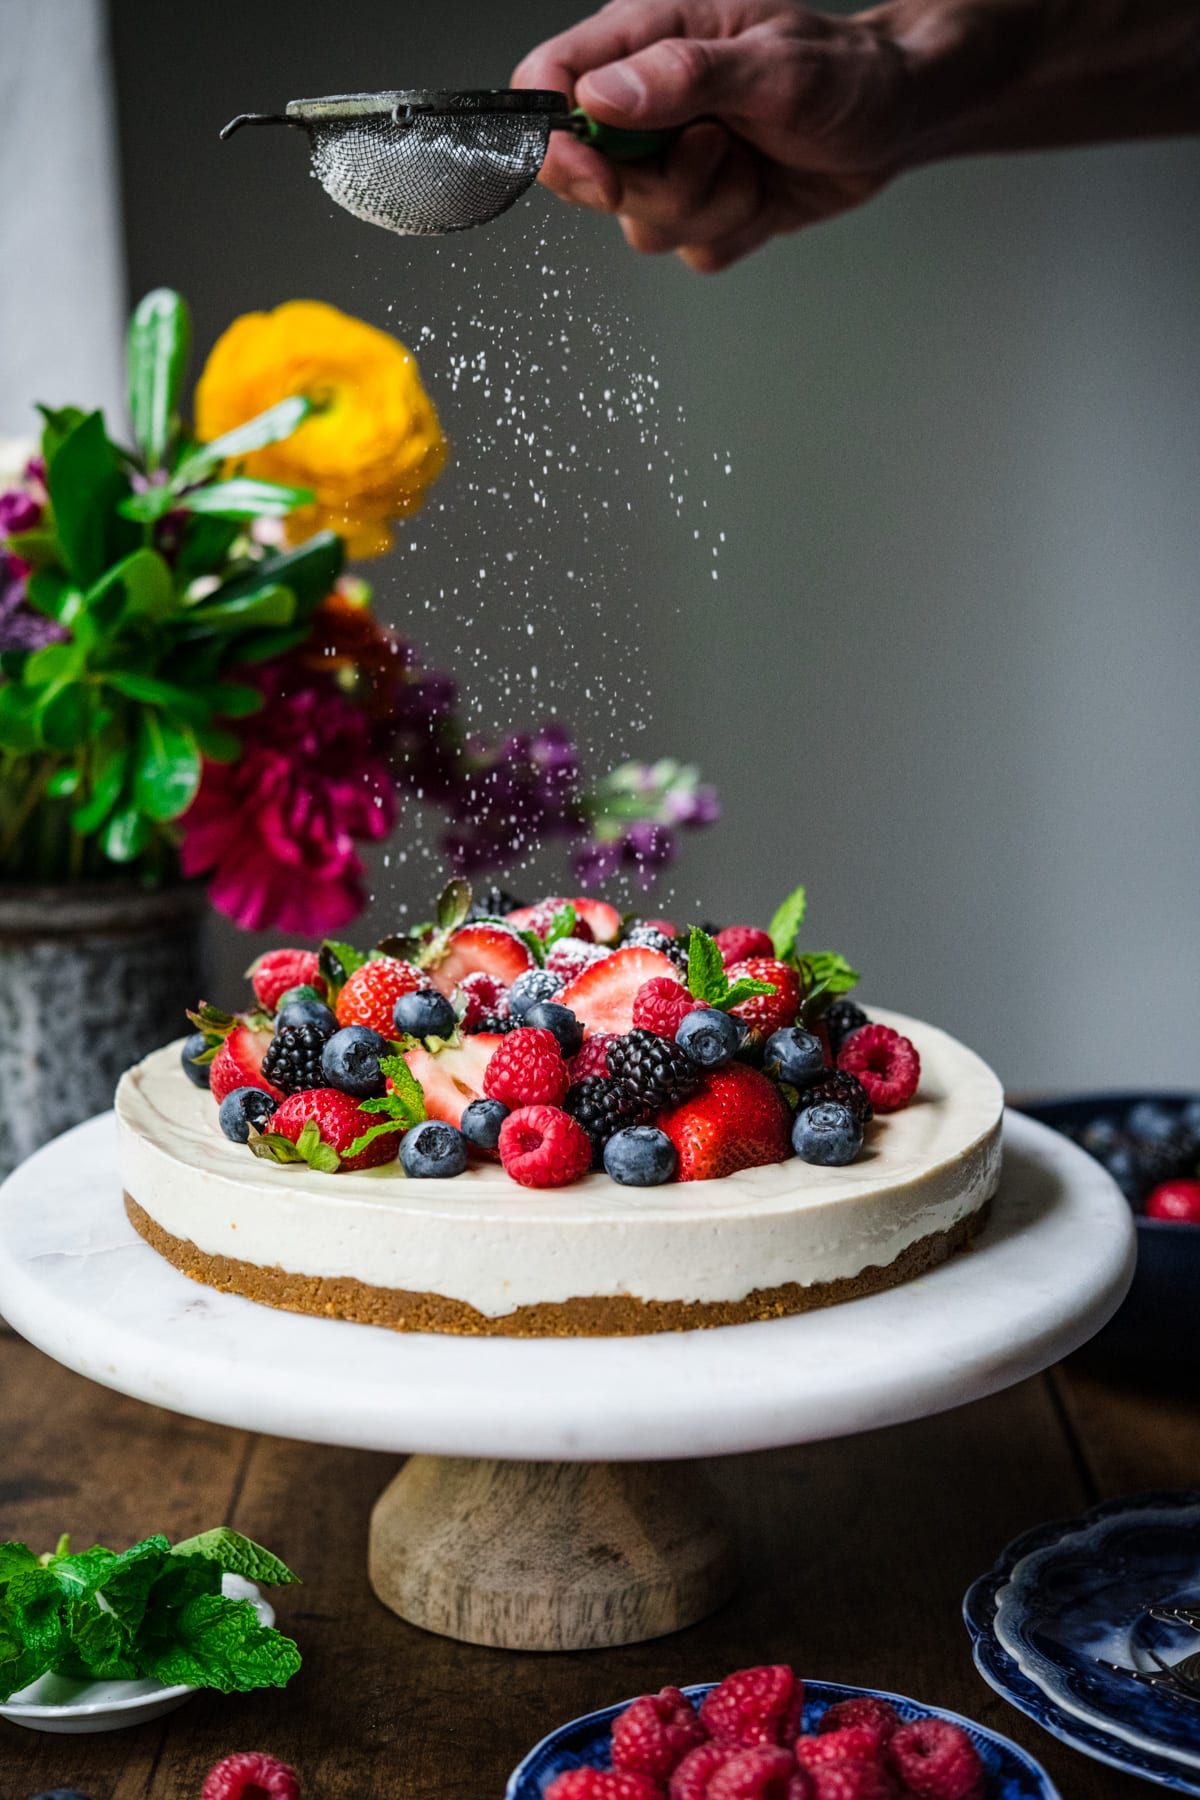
column 541, row 917
column 482, row 949
column 602, row 997
column 238, row 1063
column 738, row 1120
column 451, row 1079
column 604, row 919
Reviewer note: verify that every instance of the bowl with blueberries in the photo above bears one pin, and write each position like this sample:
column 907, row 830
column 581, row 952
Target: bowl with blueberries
column 1150, row 1145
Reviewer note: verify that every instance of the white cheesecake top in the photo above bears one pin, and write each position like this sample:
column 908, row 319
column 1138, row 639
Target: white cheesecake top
column 486, row 1241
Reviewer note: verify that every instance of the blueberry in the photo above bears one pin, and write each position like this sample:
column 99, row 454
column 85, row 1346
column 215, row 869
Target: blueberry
column 828, row 1134
column 241, row 1108
column 795, row 1056
column 1100, row 1135
column 433, row 1148
column 1190, row 1116
column 709, row 1036
column 481, row 1122
column 548, row 1015
column 640, row 1156
column 1125, row 1167
column 192, row 1047
column 350, row 1061
column 528, row 989
column 1148, row 1119
column 306, row 1012
column 424, row 1014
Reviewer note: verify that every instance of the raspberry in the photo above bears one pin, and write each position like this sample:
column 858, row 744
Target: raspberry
column 754, row 1706
column 485, row 997
column 767, row 1012
column 840, row 1088
column 603, row 1784
column 886, row 1063
column 764, row 1773
column 250, row 1775
column 1178, row 1201
column 690, row 1780
column 936, row 1760
column 847, row 1743
column 542, row 1147
column 293, row 1061
column 370, row 996
column 840, row 1020
column 601, row 1107
column 737, row 942
column 850, row 1780
column 527, row 1069
column 653, row 1069
column 275, row 971
column 593, row 1058
column 660, row 1004
column 863, row 1709
column 653, row 1735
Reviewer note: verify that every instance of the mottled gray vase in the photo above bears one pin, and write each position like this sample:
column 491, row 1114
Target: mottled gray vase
column 91, row 978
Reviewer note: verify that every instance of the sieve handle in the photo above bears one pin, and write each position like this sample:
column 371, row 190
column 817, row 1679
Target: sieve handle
column 617, row 144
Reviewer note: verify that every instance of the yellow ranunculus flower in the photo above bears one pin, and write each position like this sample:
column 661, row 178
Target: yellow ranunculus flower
column 370, row 452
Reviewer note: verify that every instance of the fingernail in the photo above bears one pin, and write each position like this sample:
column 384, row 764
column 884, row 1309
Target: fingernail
column 617, row 86
column 587, row 193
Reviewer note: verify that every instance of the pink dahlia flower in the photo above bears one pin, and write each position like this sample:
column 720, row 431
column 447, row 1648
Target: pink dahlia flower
column 276, row 831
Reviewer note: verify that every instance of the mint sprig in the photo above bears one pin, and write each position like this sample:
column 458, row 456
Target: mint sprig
column 337, row 963
column 826, row 974
column 708, row 981
column 562, row 925
column 147, row 1611
column 786, row 921
column 403, row 1106
column 310, row 1148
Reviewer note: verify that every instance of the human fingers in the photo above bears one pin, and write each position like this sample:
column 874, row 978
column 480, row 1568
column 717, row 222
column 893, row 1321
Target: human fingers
column 615, row 32
column 713, row 194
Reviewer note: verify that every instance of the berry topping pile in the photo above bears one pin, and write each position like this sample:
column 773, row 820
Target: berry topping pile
column 554, row 1039
column 1152, row 1152
column 746, row 1741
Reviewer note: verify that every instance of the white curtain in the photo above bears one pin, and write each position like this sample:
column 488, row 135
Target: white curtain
column 62, row 296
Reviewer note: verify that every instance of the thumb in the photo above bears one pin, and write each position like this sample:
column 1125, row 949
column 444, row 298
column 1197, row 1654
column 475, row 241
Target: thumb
column 674, row 81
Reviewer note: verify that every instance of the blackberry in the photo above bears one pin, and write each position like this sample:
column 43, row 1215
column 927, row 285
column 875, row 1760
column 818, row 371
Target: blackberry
column 493, row 903
column 649, row 937
column 840, row 1088
column 495, row 1026
column 293, row 1059
column 841, row 1019
column 602, row 1108
column 656, row 1072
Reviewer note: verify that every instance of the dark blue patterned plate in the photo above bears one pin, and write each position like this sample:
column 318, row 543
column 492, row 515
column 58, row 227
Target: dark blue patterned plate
column 586, row 1742
column 1070, row 1608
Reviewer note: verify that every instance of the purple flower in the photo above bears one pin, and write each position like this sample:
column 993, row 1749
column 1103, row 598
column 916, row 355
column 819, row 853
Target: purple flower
column 21, row 628
column 19, row 512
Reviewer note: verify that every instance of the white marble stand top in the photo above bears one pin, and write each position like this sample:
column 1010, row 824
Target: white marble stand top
column 1051, row 1267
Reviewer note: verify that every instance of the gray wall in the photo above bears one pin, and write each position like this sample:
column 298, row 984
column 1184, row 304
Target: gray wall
column 949, row 672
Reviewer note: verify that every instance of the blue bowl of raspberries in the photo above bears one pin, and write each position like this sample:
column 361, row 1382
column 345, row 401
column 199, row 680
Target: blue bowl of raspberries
column 1150, row 1145
column 763, row 1734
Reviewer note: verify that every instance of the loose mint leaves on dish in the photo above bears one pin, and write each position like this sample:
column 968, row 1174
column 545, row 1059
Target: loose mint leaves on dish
column 786, row 922
column 147, row 1611
column 403, row 1106
column 708, row 981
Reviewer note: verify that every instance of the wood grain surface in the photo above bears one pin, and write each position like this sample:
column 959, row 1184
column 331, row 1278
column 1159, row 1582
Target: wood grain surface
column 856, row 1555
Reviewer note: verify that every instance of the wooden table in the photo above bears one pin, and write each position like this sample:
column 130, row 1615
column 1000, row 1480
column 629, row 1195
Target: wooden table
column 857, row 1554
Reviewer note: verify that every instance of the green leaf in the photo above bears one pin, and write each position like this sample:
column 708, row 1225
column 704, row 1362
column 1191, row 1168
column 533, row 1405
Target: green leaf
column 309, row 571
column 219, row 1643
column 316, row 1152
column 278, row 422
column 206, row 545
column 109, row 766
column 62, row 784
column 786, row 921
column 85, row 483
column 237, row 1555
column 535, row 946
column 18, row 727
column 232, row 699
column 126, row 835
column 261, row 646
column 453, row 905
column 337, row 963
column 243, row 498
column 166, row 766
column 826, row 975
column 217, row 745
column 745, row 989
column 366, row 1138
column 99, row 1642
column 160, row 335
column 149, row 690
column 63, row 716
column 140, row 585
column 37, row 548
column 15, row 1559
column 272, row 1146
column 263, row 605
column 56, row 663
column 407, row 1095
column 60, row 422
column 51, row 594
column 707, row 979
column 148, row 506
column 561, row 925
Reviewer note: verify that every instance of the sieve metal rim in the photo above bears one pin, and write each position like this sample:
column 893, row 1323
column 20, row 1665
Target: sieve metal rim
column 425, row 102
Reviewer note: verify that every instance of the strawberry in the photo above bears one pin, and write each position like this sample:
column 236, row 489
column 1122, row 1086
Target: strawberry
column 339, row 1119
column 602, row 996
column 275, row 971
column 369, row 997
column 767, row 1012
column 541, row 917
column 754, row 1706
column 604, row 919
column 737, row 942
column 483, row 949
column 663, row 925
column 238, row 1063
column 737, row 1120
column 451, row 1079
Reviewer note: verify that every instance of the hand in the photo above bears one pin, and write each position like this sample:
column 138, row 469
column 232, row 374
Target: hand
column 801, row 116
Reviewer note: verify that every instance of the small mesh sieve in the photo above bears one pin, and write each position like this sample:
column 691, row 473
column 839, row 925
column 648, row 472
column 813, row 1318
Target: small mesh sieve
column 422, row 162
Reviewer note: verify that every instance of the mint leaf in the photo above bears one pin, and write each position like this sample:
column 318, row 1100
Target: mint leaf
column 337, row 963
column 562, row 925
column 454, row 903
column 219, row 1643
column 272, row 1146
column 406, row 1091
column 14, row 1560
column 366, row 1138
column 534, row 945
column 99, row 1642
column 404, row 946
column 237, row 1555
column 707, row 979
column 825, row 975
column 126, row 1583
column 745, row 989
column 315, row 1151
column 215, row 1024
column 786, row 921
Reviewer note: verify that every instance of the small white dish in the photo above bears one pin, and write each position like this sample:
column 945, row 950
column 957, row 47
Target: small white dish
column 54, row 1703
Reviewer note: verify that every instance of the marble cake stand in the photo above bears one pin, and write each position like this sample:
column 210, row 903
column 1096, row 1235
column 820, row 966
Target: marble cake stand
column 551, row 1499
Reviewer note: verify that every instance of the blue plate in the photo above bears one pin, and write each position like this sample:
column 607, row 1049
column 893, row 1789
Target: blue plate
column 586, row 1742
column 1075, row 1590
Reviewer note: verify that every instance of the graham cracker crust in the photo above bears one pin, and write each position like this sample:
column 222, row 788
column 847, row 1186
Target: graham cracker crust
column 607, row 1315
